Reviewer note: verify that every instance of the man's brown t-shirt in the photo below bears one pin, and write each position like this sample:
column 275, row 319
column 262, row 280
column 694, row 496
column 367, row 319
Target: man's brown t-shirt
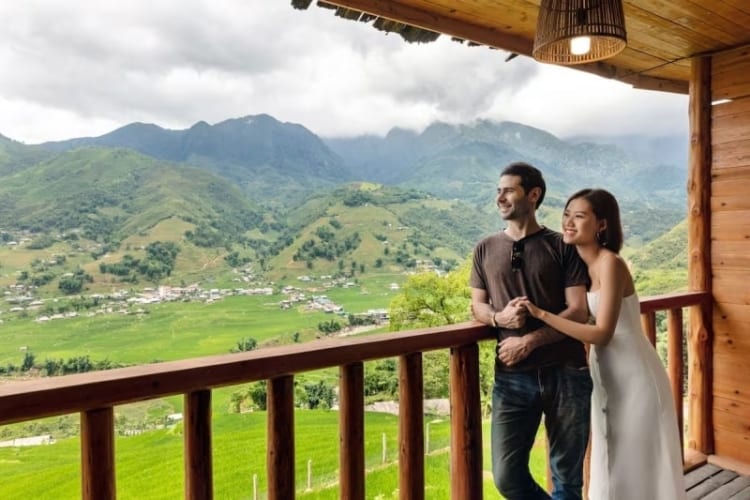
column 542, row 268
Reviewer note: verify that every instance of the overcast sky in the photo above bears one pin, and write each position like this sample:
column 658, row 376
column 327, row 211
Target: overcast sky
column 84, row 68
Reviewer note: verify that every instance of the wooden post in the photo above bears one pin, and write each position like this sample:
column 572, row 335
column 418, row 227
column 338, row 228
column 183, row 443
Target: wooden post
column 466, row 424
column 280, row 455
column 197, row 438
column 98, row 454
column 675, row 365
column 352, row 432
column 648, row 322
column 410, row 427
column 700, row 339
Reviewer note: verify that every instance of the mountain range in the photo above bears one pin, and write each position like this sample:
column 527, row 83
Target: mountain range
column 268, row 186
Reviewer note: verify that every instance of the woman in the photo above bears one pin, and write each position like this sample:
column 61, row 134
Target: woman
column 635, row 444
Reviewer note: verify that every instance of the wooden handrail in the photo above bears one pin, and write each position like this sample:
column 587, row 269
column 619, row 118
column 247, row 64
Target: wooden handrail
column 51, row 396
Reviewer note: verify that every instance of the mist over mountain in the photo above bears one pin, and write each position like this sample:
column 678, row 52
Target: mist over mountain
column 450, row 159
column 662, row 150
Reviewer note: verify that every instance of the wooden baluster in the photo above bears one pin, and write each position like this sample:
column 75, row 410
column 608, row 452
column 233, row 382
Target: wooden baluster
column 675, row 364
column 280, row 455
column 700, row 357
column 466, row 424
column 411, row 427
column 352, row 432
column 98, row 454
column 197, row 442
column 648, row 322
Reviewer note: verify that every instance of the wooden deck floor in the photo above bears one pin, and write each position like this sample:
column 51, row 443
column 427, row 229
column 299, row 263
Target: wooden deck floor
column 710, row 482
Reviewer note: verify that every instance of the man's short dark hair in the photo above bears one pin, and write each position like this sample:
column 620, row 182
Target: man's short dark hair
column 531, row 177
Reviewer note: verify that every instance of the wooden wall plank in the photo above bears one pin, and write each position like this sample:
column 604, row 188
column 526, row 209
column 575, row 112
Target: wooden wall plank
column 732, row 407
column 732, row 444
column 730, row 377
column 731, row 154
column 730, row 254
column 734, row 202
column 730, row 75
column 730, row 222
column 732, row 426
column 733, row 422
column 723, row 110
column 731, row 87
column 731, row 181
column 731, row 335
column 731, row 287
column 734, row 128
column 732, row 312
column 724, row 62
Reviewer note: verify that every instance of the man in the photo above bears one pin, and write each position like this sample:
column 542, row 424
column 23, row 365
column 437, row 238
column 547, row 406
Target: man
column 538, row 371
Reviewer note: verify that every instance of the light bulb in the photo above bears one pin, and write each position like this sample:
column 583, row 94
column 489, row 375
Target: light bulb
column 580, row 45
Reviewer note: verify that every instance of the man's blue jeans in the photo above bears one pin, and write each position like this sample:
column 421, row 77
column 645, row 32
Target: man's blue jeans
column 563, row 395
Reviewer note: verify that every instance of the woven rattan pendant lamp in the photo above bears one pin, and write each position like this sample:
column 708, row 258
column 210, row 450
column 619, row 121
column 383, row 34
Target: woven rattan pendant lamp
column 579, row 31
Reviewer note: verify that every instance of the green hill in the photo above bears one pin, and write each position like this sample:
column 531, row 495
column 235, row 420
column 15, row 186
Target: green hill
column 109, row 194
column 372, row 228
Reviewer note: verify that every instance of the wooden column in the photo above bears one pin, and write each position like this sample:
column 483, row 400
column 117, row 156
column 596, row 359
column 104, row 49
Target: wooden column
column 280, row 455
column 700, row 352
column 411, row 427
column 98, row 454
column 197, row 439
column 674, row 363
column 352, row 432
column 466, row 424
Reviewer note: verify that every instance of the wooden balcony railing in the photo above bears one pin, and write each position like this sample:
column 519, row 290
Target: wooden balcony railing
column 95, row 395
column 699, row 356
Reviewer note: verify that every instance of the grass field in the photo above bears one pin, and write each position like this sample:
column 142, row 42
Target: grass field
column 149, row 465
column 180, row 330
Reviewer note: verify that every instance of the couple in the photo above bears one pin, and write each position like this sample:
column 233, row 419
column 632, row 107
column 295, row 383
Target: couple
column 531, row 283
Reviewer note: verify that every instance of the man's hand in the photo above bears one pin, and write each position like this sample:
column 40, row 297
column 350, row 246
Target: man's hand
column 513, row 350
column 513, row 316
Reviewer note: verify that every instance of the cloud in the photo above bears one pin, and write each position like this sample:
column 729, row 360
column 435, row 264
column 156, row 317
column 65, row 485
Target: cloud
column 74, row 68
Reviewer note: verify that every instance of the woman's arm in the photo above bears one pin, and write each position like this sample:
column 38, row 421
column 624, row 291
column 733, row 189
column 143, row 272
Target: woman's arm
column 612, row 278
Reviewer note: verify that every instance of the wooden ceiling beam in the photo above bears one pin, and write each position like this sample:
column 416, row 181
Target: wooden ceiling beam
column 637, row 80
column 397, row 11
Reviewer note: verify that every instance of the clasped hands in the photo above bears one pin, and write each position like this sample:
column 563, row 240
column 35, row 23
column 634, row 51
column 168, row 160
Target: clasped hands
column 513, row 350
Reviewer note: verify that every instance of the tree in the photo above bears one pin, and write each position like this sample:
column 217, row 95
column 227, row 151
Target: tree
column 28, row 361
column 329, row 327
column 427, row 299
column 258, row 393
column 245, row 344
column 320, row 395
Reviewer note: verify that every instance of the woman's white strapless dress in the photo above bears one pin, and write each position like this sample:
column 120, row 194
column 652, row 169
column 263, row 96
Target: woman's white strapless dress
column 635, row 445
